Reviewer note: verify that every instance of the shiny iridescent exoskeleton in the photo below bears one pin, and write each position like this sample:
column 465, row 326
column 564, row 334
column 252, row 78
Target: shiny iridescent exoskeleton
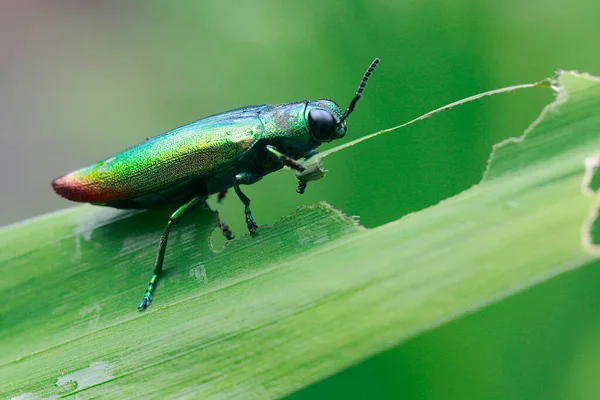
column 186, row 165
column 201, row 158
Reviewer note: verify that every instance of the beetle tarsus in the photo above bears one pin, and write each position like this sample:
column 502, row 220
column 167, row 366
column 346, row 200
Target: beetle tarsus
column 149, row 293
column 225, row 231
column 301, row 187
column 144, row 303
column 252, row 226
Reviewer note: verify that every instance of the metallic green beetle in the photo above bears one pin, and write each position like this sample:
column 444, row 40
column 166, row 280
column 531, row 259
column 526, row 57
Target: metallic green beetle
column 186, row 165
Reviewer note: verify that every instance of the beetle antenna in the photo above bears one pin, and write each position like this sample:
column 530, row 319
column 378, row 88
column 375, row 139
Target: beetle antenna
column 359, row 91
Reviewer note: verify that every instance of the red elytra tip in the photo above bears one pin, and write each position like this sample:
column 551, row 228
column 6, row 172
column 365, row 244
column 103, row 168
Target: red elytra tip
column 68, row 187
column 76, row 188
column 73, row 188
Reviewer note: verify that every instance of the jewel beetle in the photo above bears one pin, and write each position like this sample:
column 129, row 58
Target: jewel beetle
column 186, row 165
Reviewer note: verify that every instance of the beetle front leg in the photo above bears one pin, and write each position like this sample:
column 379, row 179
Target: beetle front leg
column 285, row 160
column 246, row 179
column 293, row 164
column 162, row 245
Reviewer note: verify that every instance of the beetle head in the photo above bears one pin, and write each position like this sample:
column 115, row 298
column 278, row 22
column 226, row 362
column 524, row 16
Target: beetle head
column 325, row 119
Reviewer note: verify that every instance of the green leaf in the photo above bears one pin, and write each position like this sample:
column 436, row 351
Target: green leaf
column 298, row 301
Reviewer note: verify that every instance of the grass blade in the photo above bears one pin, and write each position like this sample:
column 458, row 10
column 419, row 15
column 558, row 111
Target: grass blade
column 304, row 298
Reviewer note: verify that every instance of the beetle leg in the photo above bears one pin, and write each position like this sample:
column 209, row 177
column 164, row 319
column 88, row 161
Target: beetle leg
column 225, row 229
column 222, row 225
column 285, row 160
column 160, row 255
column 246, row 179
column 301, row 187
column 290, row 162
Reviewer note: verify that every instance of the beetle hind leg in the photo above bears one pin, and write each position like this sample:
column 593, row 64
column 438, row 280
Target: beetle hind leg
column 162, row 246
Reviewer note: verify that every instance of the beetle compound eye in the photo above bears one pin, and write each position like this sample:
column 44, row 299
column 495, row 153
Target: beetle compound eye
column 322, row 125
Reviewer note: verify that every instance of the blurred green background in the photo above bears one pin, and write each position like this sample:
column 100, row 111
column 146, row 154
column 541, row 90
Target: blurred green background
column 82, row 80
